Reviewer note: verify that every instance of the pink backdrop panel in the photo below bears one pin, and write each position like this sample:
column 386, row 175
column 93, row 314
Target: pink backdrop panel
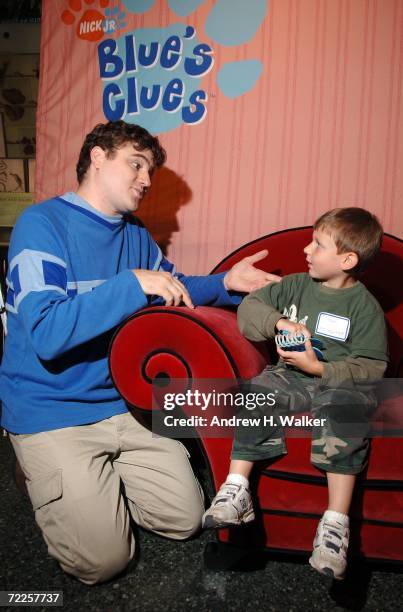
column 320, row 127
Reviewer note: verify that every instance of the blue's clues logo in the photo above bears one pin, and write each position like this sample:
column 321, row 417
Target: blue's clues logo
column 152, row 77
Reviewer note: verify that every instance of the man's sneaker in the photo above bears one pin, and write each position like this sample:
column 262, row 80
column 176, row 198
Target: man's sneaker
column 330, row 545
column 231, row 506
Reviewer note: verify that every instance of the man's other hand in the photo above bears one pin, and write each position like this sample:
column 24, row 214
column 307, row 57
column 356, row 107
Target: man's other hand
column 244, row 277
column 164, row 285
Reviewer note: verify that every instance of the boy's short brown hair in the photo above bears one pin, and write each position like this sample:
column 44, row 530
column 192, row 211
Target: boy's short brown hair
column 353, row 229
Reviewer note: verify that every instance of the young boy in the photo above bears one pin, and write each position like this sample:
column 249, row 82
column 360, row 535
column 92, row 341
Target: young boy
column 331, row 304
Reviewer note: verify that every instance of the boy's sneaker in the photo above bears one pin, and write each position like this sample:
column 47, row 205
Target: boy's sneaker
column 231, row 506
column 329, row 556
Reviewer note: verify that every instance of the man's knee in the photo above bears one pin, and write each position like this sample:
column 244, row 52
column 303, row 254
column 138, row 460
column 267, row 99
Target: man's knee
column 187, row 525
column 106, row 560
column 188, row 516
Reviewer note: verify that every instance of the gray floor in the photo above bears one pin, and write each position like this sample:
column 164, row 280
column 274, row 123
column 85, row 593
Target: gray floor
column 171, row 576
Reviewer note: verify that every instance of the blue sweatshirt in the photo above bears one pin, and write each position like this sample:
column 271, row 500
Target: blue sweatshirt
column 69, row 284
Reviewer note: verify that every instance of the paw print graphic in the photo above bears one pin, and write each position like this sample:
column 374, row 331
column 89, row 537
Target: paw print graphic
column 91, row 24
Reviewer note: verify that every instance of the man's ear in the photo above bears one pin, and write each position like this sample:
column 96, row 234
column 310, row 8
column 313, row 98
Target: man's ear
column 349, row 261
column 97, row 155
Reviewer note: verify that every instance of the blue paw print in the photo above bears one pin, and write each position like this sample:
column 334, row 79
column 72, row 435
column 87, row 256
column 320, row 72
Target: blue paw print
column 234, row 22
column 138, row 6
column 168, row 92
column 114, row 18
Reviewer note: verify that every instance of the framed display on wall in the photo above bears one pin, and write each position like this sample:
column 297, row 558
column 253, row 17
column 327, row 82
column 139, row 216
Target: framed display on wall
column 2, row 140
column 31, row 175
column 12, row 175
column 18, row 101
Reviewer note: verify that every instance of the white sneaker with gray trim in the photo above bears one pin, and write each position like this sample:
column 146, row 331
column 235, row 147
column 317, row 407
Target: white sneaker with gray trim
column 329, row 555
column 231, row 506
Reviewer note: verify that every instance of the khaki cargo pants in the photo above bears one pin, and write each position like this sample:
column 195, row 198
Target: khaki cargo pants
column 86, row 482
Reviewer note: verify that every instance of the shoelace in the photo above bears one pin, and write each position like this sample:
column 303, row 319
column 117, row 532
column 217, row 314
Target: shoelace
column 333, row 537
column 227, row 491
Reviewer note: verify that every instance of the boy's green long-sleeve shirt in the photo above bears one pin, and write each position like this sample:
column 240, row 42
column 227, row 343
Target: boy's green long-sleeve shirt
column 349, row 322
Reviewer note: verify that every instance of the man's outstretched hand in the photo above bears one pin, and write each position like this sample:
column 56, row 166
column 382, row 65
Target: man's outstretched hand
column 244, row 277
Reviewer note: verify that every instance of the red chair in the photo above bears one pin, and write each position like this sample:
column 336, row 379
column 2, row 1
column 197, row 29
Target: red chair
column 176, row 343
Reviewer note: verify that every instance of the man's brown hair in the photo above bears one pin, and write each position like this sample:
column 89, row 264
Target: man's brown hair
column 113, row 135
column 353, row 229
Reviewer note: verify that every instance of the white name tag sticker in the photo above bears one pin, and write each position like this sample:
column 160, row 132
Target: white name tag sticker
column 332, row 326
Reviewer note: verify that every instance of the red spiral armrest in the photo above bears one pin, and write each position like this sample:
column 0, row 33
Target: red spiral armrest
column 179, row 343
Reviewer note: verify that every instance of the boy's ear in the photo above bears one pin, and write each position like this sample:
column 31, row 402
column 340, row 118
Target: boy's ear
column 349, row 261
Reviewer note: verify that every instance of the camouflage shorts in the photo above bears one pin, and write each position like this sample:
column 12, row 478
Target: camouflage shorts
column 339, row 436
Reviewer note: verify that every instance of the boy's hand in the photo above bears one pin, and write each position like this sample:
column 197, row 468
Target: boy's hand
column 304, row 360
column 293, row 328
